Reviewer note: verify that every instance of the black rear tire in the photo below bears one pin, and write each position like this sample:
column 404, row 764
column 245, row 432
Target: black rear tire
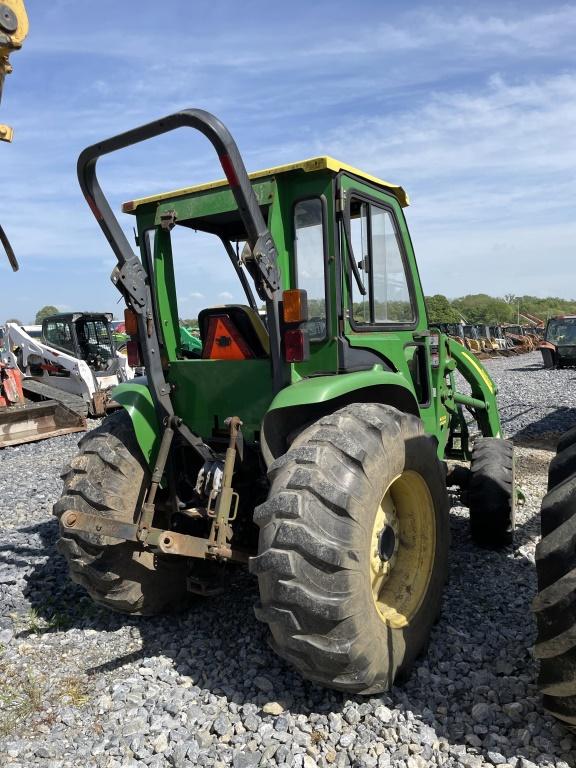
column 555, row 604
column 567, row 439
column 492, row 497
column 562, row 465
column 109, row 477
column 317, row 539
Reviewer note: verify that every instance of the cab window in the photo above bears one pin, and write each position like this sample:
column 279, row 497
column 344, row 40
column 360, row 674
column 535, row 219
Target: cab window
column 309, row 257
column 59, row 334
column 378, row 254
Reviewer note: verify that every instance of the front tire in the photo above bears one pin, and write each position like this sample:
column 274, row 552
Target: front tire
column 109, row 477
column 492, row 495
column 353, row 548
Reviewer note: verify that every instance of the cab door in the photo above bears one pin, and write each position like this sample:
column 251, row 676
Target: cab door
column 384, row 317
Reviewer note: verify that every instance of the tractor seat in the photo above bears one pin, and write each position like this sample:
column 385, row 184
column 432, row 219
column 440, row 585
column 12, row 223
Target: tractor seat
column 233, row 332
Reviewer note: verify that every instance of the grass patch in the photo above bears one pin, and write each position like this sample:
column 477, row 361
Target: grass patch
column 28, row 699
column 34, row 624
column 74, row 690
column 20, row 698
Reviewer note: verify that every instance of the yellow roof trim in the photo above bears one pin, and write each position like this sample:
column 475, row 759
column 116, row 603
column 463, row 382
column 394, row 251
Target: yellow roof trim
column 308, row 166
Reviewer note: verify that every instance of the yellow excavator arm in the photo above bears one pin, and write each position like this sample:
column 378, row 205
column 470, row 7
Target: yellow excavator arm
column 13, row 31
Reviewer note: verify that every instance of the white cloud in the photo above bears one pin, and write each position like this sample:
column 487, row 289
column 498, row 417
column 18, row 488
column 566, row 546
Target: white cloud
column 472, row 112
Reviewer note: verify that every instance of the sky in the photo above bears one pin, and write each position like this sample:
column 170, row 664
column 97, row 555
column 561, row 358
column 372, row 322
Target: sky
column 471, row 110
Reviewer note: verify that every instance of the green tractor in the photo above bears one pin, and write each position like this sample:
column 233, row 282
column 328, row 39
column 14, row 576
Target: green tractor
column 308, row 441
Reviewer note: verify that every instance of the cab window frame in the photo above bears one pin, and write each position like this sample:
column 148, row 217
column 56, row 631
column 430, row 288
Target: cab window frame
column 355, row 194
column 71, row 350
column 325, row 258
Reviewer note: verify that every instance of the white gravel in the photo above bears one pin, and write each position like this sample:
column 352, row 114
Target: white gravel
column 83, row 687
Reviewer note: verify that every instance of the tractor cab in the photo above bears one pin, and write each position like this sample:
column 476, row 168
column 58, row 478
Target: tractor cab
column 84, row 335
column 351, row 295
column 558, row 347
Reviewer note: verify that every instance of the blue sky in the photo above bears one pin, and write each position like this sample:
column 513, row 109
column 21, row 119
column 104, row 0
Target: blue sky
column 472, row 111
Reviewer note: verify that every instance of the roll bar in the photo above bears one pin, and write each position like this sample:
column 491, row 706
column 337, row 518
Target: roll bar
column 259, row 237
column 129, row 275
column 9, row 250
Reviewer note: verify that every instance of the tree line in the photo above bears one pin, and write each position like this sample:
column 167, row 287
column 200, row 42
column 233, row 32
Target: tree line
column 492, row 310
column 473, row 308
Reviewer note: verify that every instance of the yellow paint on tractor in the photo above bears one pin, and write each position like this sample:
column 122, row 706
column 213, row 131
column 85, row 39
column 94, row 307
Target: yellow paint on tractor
column 406, row 516
column 480, row 370
column 312, row 164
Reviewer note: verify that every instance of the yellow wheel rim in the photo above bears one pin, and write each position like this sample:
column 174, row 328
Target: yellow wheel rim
column 402, row 549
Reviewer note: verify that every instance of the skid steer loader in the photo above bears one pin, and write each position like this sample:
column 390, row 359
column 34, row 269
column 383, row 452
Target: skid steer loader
column 75, row 354
column 22, row 421
column 309, row 443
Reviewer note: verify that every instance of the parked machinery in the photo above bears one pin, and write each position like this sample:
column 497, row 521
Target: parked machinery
column 13, row 32
column 76, row 353
column 307, row 443
column 559, row 345
column 521, row 341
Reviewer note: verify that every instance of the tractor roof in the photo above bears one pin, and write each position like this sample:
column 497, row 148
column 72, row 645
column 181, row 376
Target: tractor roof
column 73, row 316
column 308, row 166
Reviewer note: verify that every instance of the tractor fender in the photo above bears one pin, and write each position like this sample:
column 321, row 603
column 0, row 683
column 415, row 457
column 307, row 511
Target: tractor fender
column 136, row 399
column 305, row 401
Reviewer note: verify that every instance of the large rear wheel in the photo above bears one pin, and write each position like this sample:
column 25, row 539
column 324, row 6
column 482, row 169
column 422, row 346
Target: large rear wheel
column 353, row 548
column 109, row 477
column 555, row 603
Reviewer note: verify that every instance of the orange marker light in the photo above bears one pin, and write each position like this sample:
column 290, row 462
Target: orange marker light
column 295, row 305
column 130, row 322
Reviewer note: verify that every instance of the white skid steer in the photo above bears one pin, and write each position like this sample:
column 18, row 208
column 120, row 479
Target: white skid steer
column 75, row 355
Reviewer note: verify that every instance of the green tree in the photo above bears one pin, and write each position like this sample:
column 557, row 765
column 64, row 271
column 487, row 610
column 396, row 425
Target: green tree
column 484, row 309
column 440, row 310
column 14, row 320
column 45, row 312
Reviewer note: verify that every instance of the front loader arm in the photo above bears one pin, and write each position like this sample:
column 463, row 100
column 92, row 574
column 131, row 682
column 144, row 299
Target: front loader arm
column 16, row 337
column 482, row 399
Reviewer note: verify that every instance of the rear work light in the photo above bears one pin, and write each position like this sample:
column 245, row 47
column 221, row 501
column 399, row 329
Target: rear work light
column 133, row 354
column 296, row 345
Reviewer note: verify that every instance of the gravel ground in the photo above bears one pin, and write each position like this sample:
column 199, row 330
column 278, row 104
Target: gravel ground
column 82, row 687
column 534, row 402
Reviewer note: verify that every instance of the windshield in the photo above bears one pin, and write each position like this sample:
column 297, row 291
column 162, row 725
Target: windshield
column 562, row 331
column 204, row 272
column 94, row 340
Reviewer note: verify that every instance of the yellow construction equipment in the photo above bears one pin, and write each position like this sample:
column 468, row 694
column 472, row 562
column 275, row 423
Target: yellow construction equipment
column 20, row 420
column 13, row 31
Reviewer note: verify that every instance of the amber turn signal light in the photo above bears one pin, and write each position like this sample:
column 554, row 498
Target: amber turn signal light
column 295, row 306
column 130, row 322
